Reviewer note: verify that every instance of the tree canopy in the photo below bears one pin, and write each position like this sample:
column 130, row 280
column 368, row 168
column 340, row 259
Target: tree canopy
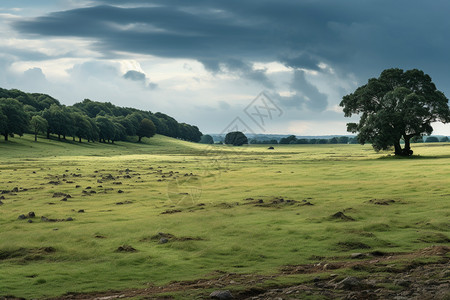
column 146, row 129
column 13, row 118
column 38, row 124
column 206, row 139
column 396, row 106
column 236, row 138
column 90, row 120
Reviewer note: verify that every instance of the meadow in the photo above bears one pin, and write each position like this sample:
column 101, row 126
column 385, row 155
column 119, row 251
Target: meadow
column 133, row 216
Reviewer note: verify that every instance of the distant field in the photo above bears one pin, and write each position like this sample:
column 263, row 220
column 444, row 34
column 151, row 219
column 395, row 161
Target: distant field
column 227, row 210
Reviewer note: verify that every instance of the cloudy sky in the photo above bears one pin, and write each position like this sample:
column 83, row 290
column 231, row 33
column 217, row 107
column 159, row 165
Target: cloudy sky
column 205, row 61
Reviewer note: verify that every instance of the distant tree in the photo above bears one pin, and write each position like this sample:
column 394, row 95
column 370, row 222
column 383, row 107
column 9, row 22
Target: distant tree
column 3, row 122
column 417, row 139
column 397, row 105
column 82, row 126
column 343, row 139
column 38, row 124
column 236, row 138
column 206, row 139
column 189, row 133
column 432, row 139
column 44, row 101
column 288, row 140
column 120, row 132
column 59, row 121
column 146, row 129
column 302, row 141
column 264, row 142
column 173, row 128
column 444, row 139
column 131, row 124
column 14, row 120
column 322, row 141
column 353, row 140
column 93, row 133
column 106, row 129
column 333, row 140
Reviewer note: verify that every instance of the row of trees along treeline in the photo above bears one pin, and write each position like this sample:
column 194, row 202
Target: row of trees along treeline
column 292, row 139
column 22, row 112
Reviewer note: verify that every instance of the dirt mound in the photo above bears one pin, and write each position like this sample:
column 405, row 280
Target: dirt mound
column 125, row 248
column 170, row 211
column 274, row 201
column 381, row 201
column 435, row 251
column 424, row 280
column 341, row 216
column 60, row 194
column 168, row 237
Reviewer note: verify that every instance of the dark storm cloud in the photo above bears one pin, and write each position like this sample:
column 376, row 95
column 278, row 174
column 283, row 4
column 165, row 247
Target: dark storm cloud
column 363, row 37
column 305, row 95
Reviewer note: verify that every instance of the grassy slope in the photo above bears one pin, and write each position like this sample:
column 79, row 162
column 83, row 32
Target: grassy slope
column 236, row 236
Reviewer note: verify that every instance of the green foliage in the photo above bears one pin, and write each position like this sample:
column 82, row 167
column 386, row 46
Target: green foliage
column 397, row 105
column 59, row 121
column 288, row 140
column 37, row 101
column 432, row 139
column 444, row 139
column 127, row 121
column 38, row 125
column 236, row 138
column 343, row 140
column 333, row 140
column 146, row 129
column 190, row 133
column 206, row 139
column 13, row 118
column 84, row 128
column 263, row 142
column 106, row 129
column 3, row 121
column 80, row 120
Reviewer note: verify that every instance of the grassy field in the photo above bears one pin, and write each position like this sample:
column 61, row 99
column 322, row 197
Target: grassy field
column 244, row 210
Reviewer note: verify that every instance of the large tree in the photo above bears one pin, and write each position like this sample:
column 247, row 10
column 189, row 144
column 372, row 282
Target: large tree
column 106, row 129
column 396, row 106
column 206, row 139
column 38, row 124
column 236, row 138
column 13, row 118
column 146, row 129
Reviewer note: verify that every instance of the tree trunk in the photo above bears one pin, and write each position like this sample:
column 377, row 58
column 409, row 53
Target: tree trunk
column 48, row 134
column 73, row 138
column 35, row 137
column 398, row 148
column 79, row 139
column 6, row 136
column 140, row 137
column 407, row 150
column 59, row 137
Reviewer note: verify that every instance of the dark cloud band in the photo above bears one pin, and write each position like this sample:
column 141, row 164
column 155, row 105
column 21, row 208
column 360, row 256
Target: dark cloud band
column 362, row 37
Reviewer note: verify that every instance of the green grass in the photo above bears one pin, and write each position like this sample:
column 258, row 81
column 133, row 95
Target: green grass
column 230, row 233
